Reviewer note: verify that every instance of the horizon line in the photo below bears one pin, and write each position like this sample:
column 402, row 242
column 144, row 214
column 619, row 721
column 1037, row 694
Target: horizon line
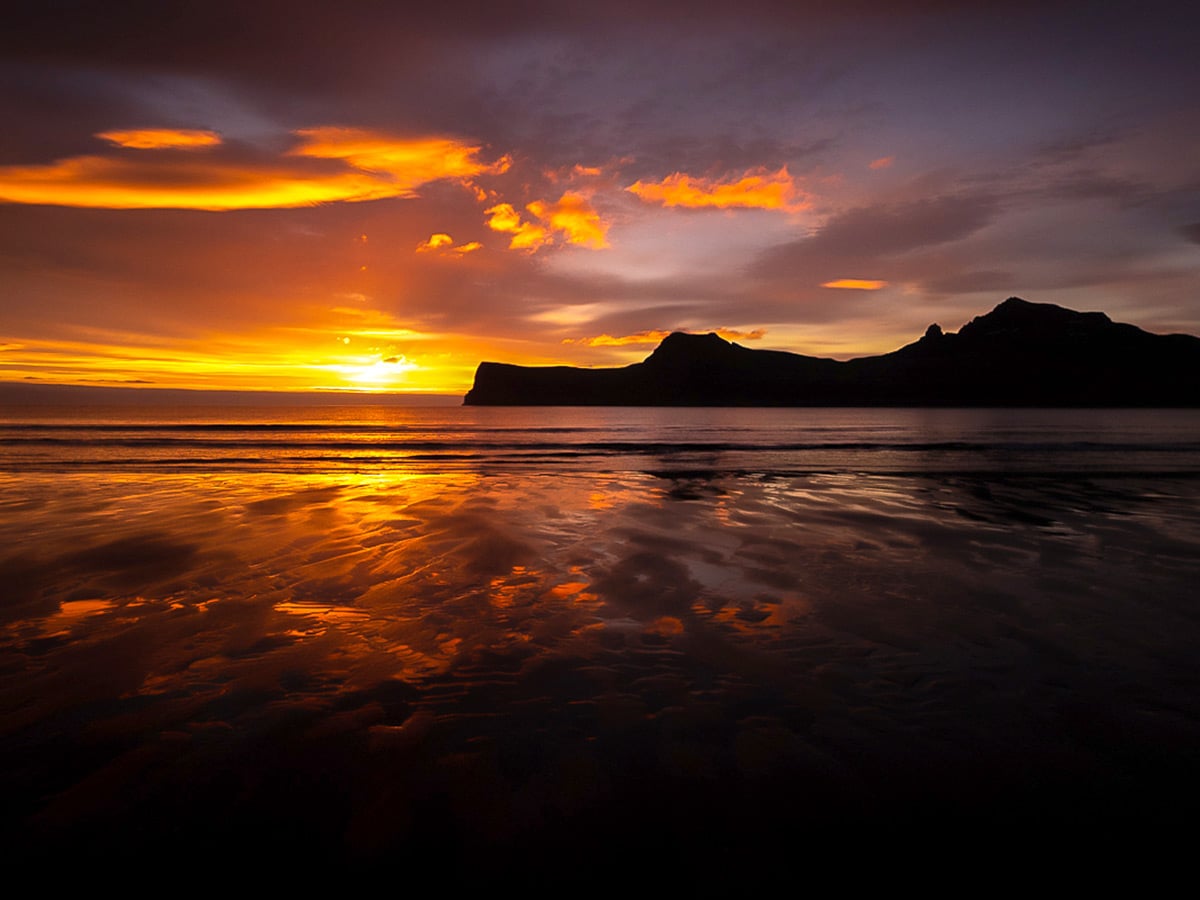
column 19, row 392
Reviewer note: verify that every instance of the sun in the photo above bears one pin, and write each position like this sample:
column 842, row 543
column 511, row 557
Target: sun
column 375, row 375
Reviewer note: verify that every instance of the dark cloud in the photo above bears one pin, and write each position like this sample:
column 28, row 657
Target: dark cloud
column 1093, row 185
column 970, row 282
column 137, row 32
column 863, row 237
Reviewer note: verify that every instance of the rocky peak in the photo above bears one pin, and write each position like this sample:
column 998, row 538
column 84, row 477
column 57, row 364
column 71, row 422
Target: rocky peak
column 1039, row 320
column 680, row 345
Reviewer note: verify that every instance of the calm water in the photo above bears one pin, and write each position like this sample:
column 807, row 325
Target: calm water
column 492, row 639
column 316, row 439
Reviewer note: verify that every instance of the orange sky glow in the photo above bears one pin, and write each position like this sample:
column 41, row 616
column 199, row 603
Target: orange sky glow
column 212, row 211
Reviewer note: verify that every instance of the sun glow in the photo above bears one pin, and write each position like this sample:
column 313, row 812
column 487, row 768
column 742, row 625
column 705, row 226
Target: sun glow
column 379, row 374
column 337, row 352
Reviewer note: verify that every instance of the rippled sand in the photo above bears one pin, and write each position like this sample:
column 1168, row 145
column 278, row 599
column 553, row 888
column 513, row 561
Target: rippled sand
column 491, row 670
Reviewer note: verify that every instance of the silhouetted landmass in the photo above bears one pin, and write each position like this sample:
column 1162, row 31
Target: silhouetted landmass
column 1019, row 354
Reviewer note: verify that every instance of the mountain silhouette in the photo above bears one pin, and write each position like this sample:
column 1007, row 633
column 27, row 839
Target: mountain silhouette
column 1019, row 354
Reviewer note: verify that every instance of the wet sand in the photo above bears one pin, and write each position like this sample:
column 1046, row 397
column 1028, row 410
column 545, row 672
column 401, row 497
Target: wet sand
column 493, row 671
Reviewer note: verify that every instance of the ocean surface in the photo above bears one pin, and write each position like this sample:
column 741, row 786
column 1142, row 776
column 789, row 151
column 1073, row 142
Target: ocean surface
column 501, row 639
column 313, row 439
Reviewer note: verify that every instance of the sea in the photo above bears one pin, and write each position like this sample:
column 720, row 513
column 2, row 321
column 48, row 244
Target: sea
column 528, row 641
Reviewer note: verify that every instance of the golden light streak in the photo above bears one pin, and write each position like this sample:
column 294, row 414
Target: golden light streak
column 468, row 247
column 162, row 138
column 756, row 189
column 855, row 284
column 287, row 362
column 884, row 162
column 377, row 166
column 375, row 353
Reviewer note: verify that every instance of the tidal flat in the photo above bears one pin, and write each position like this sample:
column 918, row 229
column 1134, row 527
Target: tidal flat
column 504, row 669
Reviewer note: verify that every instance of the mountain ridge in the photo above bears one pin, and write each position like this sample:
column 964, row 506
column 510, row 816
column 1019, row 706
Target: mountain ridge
column 1018, row 354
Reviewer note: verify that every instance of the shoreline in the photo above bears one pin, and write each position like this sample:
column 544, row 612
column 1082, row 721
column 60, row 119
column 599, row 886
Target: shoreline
column 440, row 664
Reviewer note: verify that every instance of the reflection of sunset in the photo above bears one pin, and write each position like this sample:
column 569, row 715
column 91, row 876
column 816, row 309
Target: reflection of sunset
column 576, row 634
column 599, row 500
column 70, row 614
column 572, row 590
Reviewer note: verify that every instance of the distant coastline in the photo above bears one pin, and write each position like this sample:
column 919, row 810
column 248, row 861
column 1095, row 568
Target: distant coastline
column 1020, row 354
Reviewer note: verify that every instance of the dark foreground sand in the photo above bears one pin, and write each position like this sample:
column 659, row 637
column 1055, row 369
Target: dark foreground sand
column 490, row 672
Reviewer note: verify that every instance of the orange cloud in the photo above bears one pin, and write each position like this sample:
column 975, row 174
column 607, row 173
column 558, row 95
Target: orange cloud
column 756, row 189
column 855, row 284
column 162, row 138
column 445, row 243
column 573, row 173
column 883, row 162
column 575, row 218
column 730, row 335
column 376, row 166
column 608, row 340
column 654, row 337
column 571, row 216
column 525, row 235
column 408, row 161
column 435, row 241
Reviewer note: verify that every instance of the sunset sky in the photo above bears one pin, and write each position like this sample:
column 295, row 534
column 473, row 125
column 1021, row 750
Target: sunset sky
column 277, row 195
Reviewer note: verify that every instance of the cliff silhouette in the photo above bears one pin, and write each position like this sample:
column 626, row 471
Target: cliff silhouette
column 1019, row 354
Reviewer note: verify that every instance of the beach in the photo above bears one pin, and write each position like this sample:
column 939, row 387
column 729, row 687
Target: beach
column 499, row 664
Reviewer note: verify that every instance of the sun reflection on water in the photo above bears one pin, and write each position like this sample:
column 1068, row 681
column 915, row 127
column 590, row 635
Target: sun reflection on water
column 402, row 634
